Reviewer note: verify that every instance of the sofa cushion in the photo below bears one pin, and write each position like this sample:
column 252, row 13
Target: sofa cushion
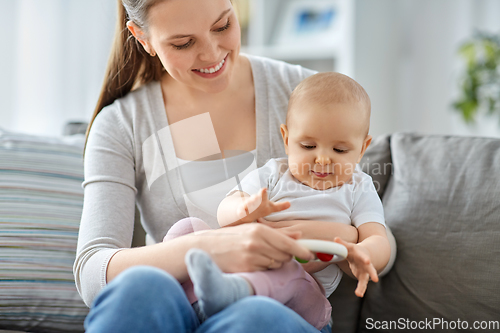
column 443, row 205
column 40, row 207
column 377, row 162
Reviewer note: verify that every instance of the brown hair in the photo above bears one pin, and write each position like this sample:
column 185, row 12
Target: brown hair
column 129, row 65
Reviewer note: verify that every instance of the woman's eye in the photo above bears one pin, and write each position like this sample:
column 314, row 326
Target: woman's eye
column 183, row 46
column 340, row 150
column 228, row 24
column 188, row 44
column 308, row 147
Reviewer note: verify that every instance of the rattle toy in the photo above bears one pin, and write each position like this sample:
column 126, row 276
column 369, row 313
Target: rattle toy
column 323, row 250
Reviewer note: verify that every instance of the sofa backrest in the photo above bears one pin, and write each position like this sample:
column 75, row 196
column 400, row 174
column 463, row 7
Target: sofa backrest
column 41, row 201
column 442, row 203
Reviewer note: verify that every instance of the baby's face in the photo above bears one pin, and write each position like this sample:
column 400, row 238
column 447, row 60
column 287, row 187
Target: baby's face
column 324, row 146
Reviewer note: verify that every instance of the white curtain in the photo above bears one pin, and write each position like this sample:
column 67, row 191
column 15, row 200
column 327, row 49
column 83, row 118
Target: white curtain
column 52, row 61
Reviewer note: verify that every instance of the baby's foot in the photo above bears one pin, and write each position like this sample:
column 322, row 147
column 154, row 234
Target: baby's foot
column 215, row 290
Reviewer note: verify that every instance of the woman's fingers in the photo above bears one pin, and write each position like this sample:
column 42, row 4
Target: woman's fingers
column 284, row 241
column 253, row 246
column 295, row 234
column 280, row 245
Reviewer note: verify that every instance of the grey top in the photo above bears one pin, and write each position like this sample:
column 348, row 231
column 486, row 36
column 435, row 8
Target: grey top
column 115, row 176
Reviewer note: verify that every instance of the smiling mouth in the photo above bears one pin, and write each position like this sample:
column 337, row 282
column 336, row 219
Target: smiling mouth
column 321, row 174
column 214, row 69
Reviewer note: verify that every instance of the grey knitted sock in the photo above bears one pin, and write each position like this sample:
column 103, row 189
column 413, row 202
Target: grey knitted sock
column 215, row 290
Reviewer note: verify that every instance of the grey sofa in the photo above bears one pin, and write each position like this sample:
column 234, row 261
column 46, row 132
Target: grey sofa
column 441, row 197
column 442, row 201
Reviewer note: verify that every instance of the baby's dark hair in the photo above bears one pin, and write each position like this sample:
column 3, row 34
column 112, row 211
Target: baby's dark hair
column 329, row 88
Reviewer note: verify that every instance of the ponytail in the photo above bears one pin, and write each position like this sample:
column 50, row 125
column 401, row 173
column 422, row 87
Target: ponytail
column 129, row 66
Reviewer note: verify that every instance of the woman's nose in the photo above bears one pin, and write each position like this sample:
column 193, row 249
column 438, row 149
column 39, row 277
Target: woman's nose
column 209, row 51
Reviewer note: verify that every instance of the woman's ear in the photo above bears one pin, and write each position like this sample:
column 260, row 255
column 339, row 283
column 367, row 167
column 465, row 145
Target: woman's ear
column 141, row 37
column 284, row 134
column 366, row 143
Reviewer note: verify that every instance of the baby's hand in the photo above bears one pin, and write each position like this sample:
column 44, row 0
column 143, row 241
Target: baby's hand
column 360, row 264
column 258, row 206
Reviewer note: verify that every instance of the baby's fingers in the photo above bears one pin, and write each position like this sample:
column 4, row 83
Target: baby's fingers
column 279, row 206
column 339, row 240
column 373, row 273
column 362, row 284
column 254, row 201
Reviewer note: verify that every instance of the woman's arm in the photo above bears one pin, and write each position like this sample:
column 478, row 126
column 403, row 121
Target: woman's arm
column 244, row 248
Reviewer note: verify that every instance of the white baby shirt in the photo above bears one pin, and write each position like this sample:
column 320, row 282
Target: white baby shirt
column 353, row 203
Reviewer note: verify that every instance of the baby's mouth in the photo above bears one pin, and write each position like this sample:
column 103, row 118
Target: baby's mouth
column 321, row 174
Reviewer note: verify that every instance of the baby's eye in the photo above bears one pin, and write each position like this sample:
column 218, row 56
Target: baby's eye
column 308, row 146
column 340, row 151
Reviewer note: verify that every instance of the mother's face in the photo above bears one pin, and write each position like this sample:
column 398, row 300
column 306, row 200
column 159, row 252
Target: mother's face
column 197, row 41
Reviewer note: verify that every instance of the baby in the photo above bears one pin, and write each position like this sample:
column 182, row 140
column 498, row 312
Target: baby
column 318, row 191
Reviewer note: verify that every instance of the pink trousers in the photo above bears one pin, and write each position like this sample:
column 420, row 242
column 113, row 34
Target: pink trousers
column 289, row 285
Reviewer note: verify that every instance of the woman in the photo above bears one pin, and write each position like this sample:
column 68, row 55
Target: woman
column 175, row 64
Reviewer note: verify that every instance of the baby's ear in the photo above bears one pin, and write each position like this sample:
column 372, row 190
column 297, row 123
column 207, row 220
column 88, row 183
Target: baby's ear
column 284, row 135
column 366, row 143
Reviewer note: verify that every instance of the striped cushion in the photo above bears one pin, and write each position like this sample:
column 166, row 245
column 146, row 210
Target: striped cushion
column 40, row 207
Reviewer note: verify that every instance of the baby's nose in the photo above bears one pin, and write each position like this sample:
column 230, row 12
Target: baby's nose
column 323, row 160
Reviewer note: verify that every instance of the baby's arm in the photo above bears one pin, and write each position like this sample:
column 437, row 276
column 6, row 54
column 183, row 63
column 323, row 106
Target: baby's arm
column 317, row 229
column 368, row 257
column 240, row 207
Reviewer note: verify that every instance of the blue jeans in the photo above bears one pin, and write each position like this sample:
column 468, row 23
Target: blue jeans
column 147, row 299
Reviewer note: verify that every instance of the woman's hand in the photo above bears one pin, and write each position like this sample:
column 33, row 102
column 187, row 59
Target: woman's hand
column 252, row 247
column 360, row 264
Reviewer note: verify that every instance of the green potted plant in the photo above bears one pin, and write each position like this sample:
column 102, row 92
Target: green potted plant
column 480, row 84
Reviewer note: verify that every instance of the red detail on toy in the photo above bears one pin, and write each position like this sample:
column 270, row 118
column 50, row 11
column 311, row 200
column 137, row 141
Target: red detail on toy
column 324, row 256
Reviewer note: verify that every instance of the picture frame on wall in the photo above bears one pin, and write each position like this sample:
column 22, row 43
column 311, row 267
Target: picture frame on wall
column 306, row 22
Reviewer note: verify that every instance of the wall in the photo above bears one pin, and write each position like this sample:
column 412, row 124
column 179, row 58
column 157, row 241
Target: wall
column 54, row 53
column 406, row 58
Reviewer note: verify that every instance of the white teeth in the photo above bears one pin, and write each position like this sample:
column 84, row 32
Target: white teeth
column 213, row 69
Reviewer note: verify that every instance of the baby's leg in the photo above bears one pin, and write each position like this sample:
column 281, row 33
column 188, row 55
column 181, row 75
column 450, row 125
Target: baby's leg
column 215, row 290
column 184, row 227
column 295, row 288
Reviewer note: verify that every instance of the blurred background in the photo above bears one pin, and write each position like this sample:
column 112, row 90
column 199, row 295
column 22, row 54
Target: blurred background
column 429, row 66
